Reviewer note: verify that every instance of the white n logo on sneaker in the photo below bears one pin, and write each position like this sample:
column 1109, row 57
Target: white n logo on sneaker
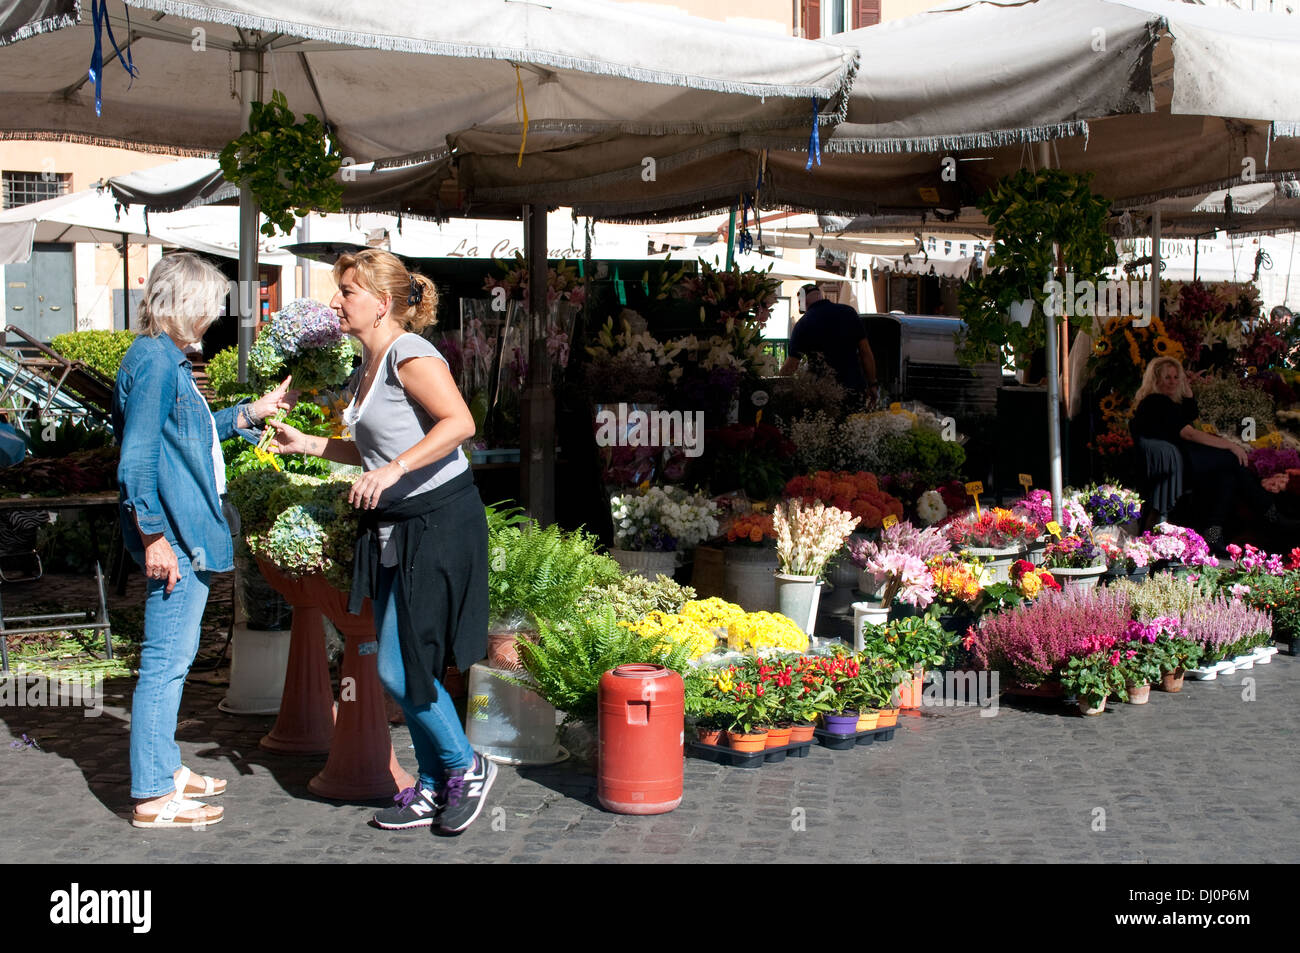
column 420, row 809
column 476, row 789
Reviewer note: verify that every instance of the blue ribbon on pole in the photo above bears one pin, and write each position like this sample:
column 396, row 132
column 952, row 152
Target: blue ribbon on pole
column 99, row 15
column 814, row 140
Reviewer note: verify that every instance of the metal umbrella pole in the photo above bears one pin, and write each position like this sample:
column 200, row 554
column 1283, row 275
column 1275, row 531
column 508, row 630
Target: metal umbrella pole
column 247, row 298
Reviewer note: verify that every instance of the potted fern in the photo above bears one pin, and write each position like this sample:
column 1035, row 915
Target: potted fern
column 536, row 575
column 565, row 662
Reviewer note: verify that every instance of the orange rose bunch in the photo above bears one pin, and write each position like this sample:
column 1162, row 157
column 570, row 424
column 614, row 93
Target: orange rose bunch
column 751, row 528
column 857, row 493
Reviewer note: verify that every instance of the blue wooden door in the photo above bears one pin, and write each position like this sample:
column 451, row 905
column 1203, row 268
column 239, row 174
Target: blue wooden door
column 40, row 294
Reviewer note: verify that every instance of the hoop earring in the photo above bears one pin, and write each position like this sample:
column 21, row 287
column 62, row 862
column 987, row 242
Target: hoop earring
column 378, row 320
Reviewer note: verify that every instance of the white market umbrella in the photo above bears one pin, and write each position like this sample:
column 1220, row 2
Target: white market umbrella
column 87, row 216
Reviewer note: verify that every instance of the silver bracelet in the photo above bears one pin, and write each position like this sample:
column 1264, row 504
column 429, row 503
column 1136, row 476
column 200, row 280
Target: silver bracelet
column 402, row 463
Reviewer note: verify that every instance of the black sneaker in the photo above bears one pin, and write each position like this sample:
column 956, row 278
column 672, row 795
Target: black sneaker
column 415, row 807
column 464, row 795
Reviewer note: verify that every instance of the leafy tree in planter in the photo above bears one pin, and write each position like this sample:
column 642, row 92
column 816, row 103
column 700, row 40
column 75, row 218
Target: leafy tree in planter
column 288, row 165
column 1029, row 212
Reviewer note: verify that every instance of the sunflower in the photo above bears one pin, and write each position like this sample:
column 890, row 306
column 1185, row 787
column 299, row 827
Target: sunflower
column 1102, row 347
column 1162, row 345
column 1109, row 402
column 1134, row 353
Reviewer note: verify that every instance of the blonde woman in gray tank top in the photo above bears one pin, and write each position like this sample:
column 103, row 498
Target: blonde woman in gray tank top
column 422, row 557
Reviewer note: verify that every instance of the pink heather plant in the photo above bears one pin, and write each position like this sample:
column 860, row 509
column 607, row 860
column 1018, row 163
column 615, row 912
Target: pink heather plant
column 1226, row 627
column 1035, row 641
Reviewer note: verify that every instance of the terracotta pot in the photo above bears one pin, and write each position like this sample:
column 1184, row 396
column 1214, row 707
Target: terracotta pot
column 708, row 736
column 1172, row 681
column 1139, row 694
column 1085, row 707
column 888, row 718
column 503, row 650
column 802, row 733
column 909, row 695
column 754, row 741
column 867, row 720
column 777, row 737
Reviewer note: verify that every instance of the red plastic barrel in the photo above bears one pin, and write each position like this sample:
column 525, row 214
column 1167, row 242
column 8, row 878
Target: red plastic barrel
column 640, row 731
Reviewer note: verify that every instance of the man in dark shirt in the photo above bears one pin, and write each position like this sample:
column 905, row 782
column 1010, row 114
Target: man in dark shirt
column 836, row 334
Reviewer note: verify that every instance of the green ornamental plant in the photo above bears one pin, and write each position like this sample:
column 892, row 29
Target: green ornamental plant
column 289, row 166
column 100, row 350
column 1094, row 678
column 539, row 574
column 634, row 596
column 1030, row 211
column 566, row 662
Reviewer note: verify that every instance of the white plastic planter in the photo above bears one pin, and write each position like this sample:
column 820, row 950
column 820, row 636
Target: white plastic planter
column 258, row 661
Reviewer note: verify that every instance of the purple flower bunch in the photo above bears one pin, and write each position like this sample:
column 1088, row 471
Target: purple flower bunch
column 1110, row 505
column 1035, row 640
column 1267, row 461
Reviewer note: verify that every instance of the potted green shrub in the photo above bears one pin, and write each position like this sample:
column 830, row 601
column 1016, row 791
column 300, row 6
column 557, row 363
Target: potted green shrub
column 1094, row 678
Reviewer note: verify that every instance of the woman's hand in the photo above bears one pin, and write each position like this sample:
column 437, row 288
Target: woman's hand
column 1187, row 385
column 367, row 490
column 160, row 561
column 289, row 439
column 1239, row 452
column 273, row 401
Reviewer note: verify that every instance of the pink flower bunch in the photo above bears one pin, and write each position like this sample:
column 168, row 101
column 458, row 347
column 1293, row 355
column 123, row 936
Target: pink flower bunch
column 906, row 578
column 1137, row 631
column 902, row 537
column 1251, row 559
column 1035, row 640
column 1168, row 541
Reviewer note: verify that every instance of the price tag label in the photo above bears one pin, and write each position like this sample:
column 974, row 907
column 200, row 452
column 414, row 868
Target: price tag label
column 895, row 408
column 1026, row 481
column 758, row 418
column 888, row 521
column 1054, row 528
column 975, row 488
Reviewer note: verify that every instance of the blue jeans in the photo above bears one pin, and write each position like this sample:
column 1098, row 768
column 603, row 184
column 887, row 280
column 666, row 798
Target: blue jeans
column 171, row 640
column 440, row 742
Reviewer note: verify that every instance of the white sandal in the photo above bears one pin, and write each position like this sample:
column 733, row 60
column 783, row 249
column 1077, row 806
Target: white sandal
column 170, row 815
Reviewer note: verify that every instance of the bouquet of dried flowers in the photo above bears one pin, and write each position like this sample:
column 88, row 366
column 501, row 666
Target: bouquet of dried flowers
column 808, row 535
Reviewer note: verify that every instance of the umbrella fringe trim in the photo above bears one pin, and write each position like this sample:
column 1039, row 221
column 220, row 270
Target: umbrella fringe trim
column 1190, row 191
column 108, row 142
column 981, row 140
column 37, row 27
column 843, row 81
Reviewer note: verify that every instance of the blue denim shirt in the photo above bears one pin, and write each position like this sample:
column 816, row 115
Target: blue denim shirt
column 165, row 473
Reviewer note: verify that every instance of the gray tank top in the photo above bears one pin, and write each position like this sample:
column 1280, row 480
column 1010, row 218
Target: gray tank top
column 389, row 422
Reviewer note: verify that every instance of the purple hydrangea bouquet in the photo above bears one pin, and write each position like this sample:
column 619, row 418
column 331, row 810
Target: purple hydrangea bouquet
column 303, row 339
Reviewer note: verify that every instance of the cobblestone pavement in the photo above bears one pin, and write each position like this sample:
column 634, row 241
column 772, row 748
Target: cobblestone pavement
column 1201, row 776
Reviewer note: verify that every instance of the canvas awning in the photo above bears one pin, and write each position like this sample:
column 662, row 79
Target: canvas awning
column 393, row 79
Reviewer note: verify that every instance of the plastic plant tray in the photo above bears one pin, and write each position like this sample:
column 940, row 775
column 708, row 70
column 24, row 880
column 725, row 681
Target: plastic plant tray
column 838, row 742
column 721, row 754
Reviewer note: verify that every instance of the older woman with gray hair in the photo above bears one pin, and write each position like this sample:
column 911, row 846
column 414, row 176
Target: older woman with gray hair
column 172, row 478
